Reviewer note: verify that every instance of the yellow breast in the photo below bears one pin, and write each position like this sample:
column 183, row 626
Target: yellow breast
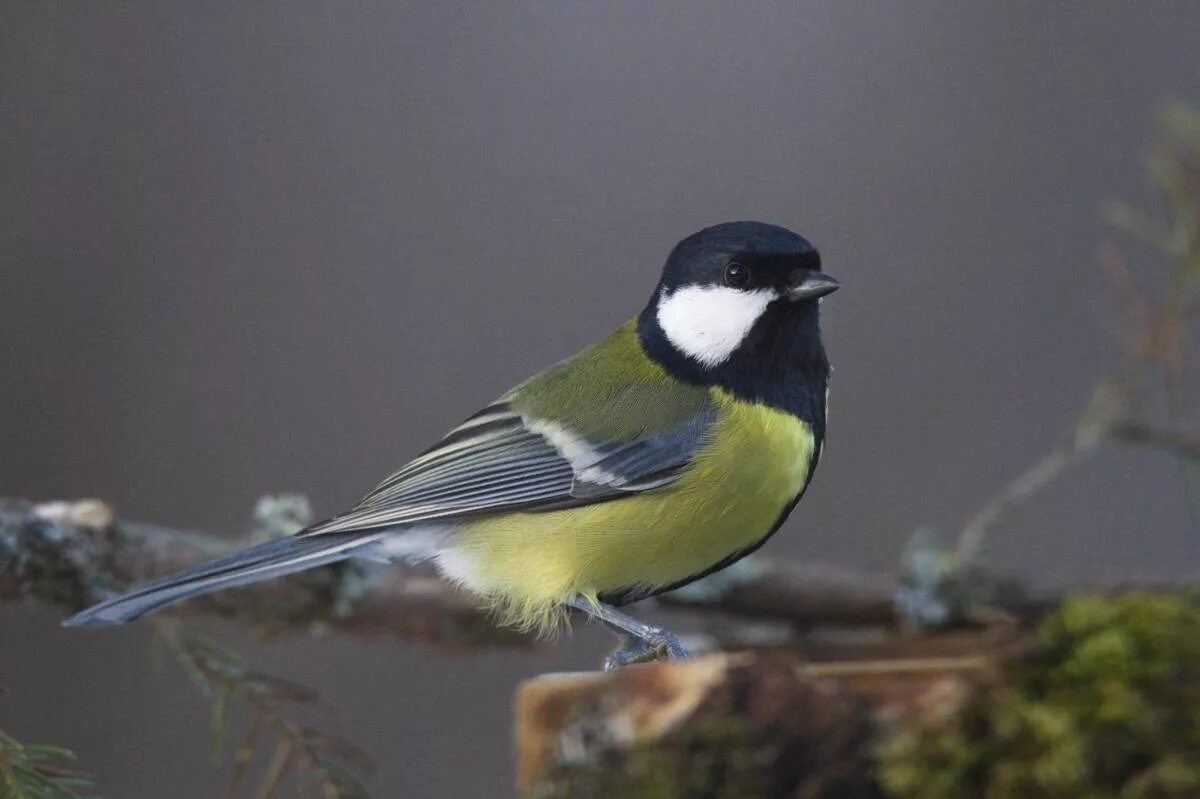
column 755, row 462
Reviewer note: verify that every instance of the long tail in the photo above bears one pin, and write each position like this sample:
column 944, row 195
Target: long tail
column 260, row 562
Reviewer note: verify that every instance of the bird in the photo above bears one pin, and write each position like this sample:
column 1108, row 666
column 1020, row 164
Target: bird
column 670, row 449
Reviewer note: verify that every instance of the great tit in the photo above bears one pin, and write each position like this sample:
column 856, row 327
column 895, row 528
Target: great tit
column 670, row 449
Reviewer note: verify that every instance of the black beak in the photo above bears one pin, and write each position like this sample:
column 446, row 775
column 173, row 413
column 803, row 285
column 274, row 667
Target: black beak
column 807, row 284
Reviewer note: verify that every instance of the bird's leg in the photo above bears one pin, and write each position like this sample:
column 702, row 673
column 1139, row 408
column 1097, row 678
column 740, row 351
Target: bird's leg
column 644, row 642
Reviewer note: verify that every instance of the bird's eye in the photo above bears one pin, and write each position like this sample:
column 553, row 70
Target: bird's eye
column 736, row 276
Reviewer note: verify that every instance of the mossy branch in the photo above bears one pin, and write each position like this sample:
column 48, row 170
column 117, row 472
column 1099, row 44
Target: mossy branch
column 72, row 554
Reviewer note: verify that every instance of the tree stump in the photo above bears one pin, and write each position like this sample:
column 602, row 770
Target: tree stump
column 764, row 724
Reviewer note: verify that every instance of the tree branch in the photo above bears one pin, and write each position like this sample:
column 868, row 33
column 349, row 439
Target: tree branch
column 74, row 554
column 1185, row 443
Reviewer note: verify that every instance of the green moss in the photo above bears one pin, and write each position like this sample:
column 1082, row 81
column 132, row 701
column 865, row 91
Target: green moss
column 1107, row 706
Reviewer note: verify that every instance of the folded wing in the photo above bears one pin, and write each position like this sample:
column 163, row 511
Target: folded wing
column 503, row 460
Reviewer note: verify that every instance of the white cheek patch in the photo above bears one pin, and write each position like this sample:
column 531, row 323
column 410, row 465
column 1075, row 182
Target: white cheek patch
column 707, row 323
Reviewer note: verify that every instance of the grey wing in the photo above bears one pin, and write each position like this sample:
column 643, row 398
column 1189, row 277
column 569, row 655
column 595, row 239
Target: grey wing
column 499, row 460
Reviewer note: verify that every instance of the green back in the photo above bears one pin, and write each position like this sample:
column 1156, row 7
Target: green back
column 610, row 391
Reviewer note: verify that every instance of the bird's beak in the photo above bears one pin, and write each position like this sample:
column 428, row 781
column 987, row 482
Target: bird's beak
column 808, row 284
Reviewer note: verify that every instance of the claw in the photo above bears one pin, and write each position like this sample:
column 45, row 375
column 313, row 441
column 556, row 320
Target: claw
column 642, row 641
column 668, row 644
column 659, row 644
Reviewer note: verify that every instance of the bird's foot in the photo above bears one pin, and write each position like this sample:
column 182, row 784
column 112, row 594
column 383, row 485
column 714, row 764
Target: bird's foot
column 658, row 644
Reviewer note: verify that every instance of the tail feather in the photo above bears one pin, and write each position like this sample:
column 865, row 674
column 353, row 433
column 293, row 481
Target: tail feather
column 261, row 562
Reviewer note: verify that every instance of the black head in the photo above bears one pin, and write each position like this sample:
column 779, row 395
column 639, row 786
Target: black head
column 737, row 306
column 765, row 256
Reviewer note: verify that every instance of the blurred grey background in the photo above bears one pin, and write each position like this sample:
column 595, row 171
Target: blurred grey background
column 250, row 247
